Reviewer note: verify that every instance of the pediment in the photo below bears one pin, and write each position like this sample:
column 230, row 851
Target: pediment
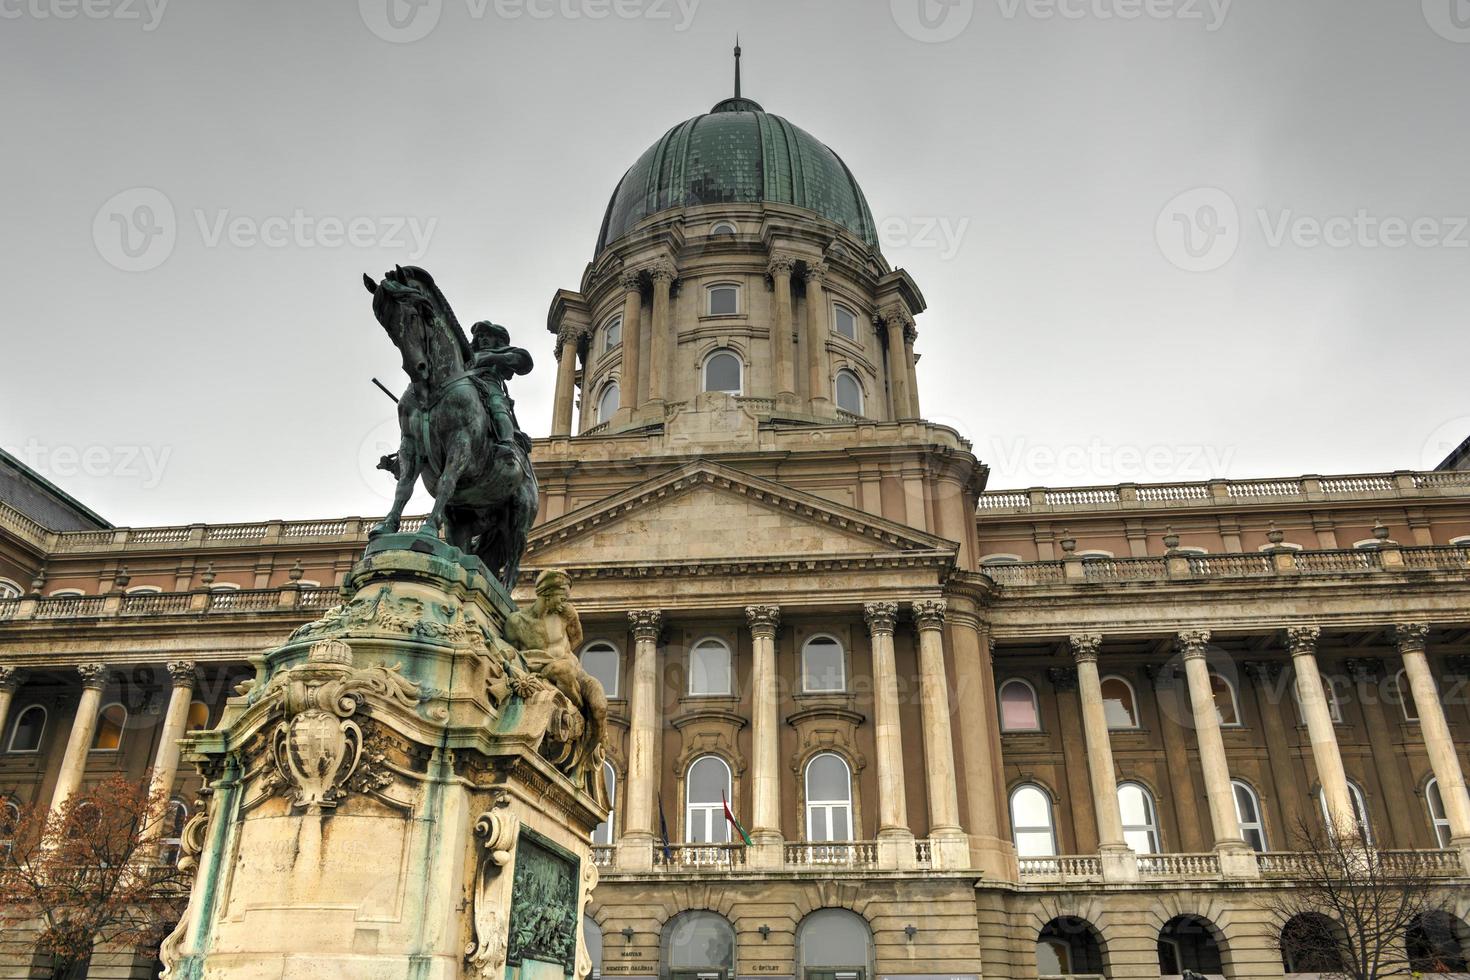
column 706, row 511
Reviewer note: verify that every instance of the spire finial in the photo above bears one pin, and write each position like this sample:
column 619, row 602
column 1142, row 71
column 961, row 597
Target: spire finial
column 737, row 66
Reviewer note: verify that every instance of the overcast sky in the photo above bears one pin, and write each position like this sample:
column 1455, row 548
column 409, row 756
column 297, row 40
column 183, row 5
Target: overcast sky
column 1160, row 239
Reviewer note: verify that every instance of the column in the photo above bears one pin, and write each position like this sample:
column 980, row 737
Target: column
column 893, row 814
column 951, row 849
column 9, row 681
column 175, row 718
column 567, row 340
column 629, row 391
column 1119, row 861
column 1182, row 793
column 895, row 320
column 1302, row 642
column 911, row 334
column 1407, row 826
column 975, row 702
column 1410, row 638
column 1287, row 777
column 1081, row 816
column 765, row 775
column 818, row 370
column 661, row 343
column 83, row 727
column 1236, row 857
column 635, row 846
column 779, row 269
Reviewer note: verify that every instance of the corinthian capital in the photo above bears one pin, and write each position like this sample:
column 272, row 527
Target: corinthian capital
column 1085, row 646
column 929, row 613
column 763, row 620
column 814, row 272
column 880, row 616
column 94, row 675
column 663, row 270
column 1192, row 643
column 646, row 623
column 910, row 333
column 894, row 318
column 1302, row 639
column 631, row 280
column 9, row 678
column 780, row 264
column 1411, row 637
column 569, row 333
column 182, row 672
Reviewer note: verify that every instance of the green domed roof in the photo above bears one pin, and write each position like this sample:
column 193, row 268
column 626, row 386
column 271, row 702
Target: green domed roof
column 738, row 153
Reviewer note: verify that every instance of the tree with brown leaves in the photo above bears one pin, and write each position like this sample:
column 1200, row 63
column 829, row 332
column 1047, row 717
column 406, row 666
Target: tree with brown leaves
column 1351, row 911
column 90, row 875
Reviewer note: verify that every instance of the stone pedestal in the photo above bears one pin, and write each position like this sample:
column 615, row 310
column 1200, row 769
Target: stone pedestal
column 397, row 795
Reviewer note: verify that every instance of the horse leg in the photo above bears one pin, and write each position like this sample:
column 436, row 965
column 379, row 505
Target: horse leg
column 456, row 460
column 408, row 474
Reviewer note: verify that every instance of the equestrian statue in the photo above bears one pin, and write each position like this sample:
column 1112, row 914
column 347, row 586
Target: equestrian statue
column 458, row 425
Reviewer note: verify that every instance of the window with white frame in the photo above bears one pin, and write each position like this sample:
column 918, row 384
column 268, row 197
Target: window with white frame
column 612, row 333
column 1227, row 705
column 706, row 788
column 844, row 322
column 828, row 799
column 602, row 660
column 724, row 299
column 1248, row 812
column 1360, row 810
column 1140, row 819
column 1438, row 819
column 171, row 843
column 1119, row 705
column 9, row 589
column 30, row 726
column 603, row 833
column 723, row 371
column 608, row 402
column 1032, row 827
column 1333, row 693
column 823, row 665
column 709, row 668
column 112, row 721
column 1019, row 711
column 848, row 392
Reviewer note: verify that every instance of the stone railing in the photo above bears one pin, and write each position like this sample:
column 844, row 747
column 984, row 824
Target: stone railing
column 1430, row 864
column 1062, row 868
column 1179, row 865
column 923, row 854
column 1214, row 493
column 1283, row 565
column 604, row 855
column 699, row 857
column 854, row 854
column 290, row 598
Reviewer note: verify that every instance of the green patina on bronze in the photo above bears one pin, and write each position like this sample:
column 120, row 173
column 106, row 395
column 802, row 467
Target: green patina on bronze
column 543, row 904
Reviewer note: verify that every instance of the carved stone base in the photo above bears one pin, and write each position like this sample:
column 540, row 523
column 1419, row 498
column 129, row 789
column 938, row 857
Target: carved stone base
column 392, row 797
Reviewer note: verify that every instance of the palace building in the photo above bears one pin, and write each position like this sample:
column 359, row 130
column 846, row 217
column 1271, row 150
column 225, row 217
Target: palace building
column 969, row 733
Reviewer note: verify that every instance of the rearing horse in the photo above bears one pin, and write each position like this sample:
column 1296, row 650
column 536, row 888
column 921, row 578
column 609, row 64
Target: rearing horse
column 485, row 494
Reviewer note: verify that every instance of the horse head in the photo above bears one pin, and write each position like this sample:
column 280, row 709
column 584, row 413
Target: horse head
column 415, row 316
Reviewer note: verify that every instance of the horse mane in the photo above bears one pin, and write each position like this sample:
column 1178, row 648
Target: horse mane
column 427, row 281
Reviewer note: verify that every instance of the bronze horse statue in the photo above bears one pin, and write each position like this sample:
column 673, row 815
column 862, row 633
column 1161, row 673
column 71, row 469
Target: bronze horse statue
column 485, row 492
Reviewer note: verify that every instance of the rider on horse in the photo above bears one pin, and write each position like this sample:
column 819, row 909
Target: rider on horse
column 493, row 362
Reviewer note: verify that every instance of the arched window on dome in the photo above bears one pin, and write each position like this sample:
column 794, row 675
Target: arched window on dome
column 608, row 402
column 723, row 371
column 844, row 322
column 724, row 299
column 848, row 392
column 723, row 228
column 612, row 333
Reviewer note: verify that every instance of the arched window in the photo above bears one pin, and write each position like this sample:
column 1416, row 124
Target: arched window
column 722, row 372
column 1000, row 559
column 144, row 590
column 111, row 722
column 30, row 726
column 1227, row 707
column 844, row 322
column 1187, row 942
column 592, row 939
column 612, row 333
column 603, row 832
column 9, row 824
column 1437, row 818
column 1031, row 822
column 608, row 402
column 698, row 946
column 602, row 660
column 723, row 228
column 706, row 788
column 834, row 944
column 1436, row 943
column 66, row 593
column 1360, row 810
column 709, row 669
column 823, row 665
column 828, row 799
column 1140, row 821
column 724, row 299
column 1118, row 703
column 1066, row 947
column 9, row 589
column 198, row 717
column 1333, row 694
column 1310, row 943
column 1248, row 812
column 173, row 832
column 1018, row 709
column 1403, row 692
column 849, row 392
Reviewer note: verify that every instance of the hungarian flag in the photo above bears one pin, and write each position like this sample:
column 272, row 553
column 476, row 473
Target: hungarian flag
column 733, row 822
